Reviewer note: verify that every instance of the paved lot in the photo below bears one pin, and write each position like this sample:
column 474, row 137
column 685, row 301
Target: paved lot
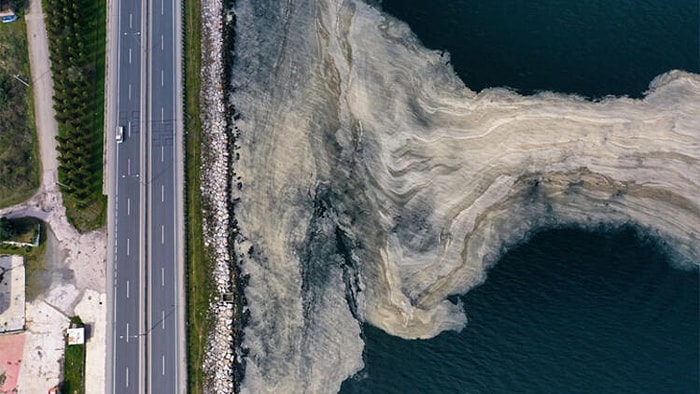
column 11, row 293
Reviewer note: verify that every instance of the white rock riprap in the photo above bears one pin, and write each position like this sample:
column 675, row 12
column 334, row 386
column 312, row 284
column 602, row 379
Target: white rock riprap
column 219, row 357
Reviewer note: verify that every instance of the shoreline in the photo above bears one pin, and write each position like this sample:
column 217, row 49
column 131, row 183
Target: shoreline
column 235, row 183
column 222, row 366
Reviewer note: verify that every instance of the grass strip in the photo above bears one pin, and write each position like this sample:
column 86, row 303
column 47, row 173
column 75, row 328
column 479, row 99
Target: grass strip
column 197, row 263
column 74, row 365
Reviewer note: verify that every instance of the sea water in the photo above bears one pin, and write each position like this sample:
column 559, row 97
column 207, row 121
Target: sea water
column 569, row 310
column 592, row 48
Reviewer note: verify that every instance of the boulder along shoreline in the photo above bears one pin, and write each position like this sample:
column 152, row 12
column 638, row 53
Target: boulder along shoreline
column 223, row 370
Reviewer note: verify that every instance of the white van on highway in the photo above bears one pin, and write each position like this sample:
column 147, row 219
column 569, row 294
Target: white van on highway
column 120, row 134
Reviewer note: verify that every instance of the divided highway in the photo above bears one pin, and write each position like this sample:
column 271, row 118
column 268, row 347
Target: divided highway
column 145, row 185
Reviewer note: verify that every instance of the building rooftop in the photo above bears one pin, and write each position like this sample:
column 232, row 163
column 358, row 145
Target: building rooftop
column 6, row 9
column 76, row 336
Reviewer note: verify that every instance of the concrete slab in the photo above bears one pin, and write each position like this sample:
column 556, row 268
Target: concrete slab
column 43, row 348
column 11, row 293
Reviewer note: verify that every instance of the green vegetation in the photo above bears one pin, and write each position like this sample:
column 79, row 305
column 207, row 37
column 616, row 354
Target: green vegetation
column 77, row 33
column 7, row 229
column 19, row 148
column 23, row 230
column 26, row 230
column 197, row 263
column 74, row 364
column 17, row 6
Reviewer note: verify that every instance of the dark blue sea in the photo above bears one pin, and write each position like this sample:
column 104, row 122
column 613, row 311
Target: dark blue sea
column 590, row 47
column 569, row 311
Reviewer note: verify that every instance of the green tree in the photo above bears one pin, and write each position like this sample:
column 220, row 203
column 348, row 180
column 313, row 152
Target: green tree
column 4, row 91
column 7, row 229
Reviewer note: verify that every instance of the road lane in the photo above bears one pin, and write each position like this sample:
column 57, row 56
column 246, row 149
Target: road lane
column 164, row 350
column 127, row 341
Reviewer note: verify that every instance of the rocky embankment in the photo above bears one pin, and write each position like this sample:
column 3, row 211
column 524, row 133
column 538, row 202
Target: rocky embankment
column 215, row 188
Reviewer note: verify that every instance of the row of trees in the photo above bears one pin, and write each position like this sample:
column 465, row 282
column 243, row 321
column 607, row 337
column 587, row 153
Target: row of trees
column 74, row 50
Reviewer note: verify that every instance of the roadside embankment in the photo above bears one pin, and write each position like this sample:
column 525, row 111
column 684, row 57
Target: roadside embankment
column 218, row 224
column 198, row 263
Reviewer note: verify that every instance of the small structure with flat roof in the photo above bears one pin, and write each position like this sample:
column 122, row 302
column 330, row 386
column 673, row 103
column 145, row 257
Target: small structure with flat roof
column 76, row 336
column 6, row 8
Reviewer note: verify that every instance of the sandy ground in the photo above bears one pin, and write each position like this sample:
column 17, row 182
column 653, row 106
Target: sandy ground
column 76, row 262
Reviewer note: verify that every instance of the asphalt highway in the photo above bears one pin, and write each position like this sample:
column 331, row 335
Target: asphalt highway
column 164, row 351
column 128, row 297
column 146, row 211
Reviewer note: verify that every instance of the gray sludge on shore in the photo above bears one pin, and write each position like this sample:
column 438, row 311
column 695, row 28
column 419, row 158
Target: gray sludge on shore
column 375, row 184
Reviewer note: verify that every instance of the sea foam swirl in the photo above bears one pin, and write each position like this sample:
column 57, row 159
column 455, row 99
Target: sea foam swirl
column 375, row 184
